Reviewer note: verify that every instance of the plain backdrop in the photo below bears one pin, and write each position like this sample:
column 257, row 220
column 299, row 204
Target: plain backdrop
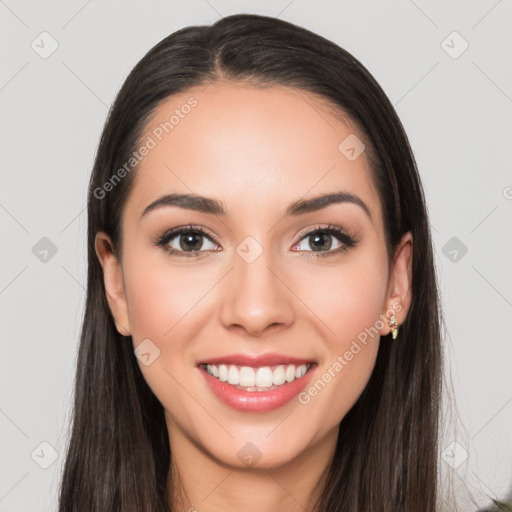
column 446, row 68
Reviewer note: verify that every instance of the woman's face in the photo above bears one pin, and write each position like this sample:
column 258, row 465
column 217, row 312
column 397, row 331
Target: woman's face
column 260, row 281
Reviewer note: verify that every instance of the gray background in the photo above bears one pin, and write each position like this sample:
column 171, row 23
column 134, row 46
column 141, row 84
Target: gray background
column 456, row 110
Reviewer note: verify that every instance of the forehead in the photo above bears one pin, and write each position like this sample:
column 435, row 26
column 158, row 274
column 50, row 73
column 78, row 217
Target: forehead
column 264, row 147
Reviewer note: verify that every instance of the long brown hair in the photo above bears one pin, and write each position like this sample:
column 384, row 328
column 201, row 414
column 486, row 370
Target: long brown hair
column 118, row 456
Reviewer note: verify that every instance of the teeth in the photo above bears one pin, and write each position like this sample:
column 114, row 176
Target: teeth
column 247, row 377
column 257, row 379
column 223, row 372
column 233, row 375
column 264, row 377
column 279, row 376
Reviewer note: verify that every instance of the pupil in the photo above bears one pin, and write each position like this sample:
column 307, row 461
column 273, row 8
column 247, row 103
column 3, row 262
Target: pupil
column 320, row 237
column 190, row 238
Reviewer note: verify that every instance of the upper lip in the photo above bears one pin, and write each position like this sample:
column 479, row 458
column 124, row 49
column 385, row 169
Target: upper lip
column 256, row 360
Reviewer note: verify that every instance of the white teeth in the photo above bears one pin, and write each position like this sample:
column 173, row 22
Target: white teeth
column 279, row 376
column 264, row 377
column 300, row 371
column 257, row 379
column 290, row 373
column 223, row 372
column 247, row 377
column 233, row 375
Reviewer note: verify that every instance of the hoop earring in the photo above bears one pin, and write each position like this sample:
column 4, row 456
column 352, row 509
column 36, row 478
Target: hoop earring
column 394, row 327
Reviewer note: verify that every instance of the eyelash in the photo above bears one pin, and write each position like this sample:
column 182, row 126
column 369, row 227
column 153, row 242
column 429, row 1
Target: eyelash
column 349, row 241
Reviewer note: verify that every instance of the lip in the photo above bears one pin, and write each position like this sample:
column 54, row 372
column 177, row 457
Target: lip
column 256, row 401
column 256, row 361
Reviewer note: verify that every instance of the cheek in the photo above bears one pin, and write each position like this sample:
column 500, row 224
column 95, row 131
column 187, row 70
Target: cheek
column 346, row 298
column 160, row 295
column 347, row 301
column 164, row 303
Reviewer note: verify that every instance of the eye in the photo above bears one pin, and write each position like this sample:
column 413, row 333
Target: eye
column 319, row 241
column 186, row 241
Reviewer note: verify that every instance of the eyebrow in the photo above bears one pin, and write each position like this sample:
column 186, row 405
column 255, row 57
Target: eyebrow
column 215, row 207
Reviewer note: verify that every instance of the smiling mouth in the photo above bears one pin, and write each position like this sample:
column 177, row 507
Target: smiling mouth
column 259, row 379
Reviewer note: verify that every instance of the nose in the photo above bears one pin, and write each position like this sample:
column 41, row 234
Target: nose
column 257, row 297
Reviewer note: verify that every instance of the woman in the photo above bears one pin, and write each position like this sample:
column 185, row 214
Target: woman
column 262, row 324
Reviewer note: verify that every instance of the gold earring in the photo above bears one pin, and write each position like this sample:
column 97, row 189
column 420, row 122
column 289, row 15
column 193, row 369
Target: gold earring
column 394, row 327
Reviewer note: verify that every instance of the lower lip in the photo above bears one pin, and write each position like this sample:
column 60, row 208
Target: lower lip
column 257, row 401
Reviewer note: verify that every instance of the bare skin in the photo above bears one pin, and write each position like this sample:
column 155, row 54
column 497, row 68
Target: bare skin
column 256, row 151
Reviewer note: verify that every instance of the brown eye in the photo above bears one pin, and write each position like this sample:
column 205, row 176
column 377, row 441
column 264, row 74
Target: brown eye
column 320, row 240
column 186, row 241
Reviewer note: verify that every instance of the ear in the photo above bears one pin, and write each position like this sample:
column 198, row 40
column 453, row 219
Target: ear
column 114, row 282
column 398, row 298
